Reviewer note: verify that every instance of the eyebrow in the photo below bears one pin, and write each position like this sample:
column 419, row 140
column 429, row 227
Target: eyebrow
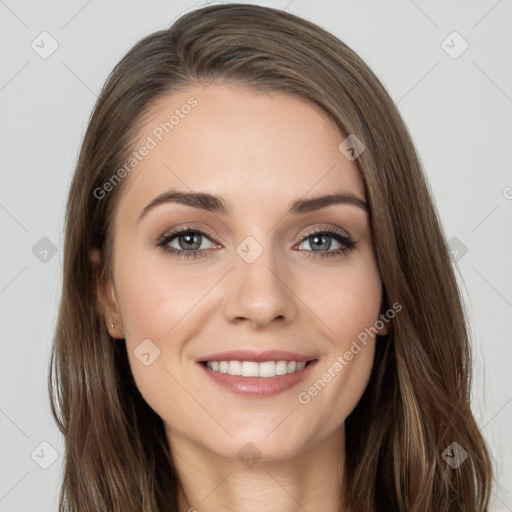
column 217, row 204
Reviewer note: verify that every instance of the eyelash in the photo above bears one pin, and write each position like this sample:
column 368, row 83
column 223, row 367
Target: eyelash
column 347, row 241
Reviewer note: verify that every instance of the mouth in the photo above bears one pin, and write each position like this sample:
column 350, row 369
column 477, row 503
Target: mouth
column 261, row 374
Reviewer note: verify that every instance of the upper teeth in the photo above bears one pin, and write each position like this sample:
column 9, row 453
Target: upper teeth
column 254, row 369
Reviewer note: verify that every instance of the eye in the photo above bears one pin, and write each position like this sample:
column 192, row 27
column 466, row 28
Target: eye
column 184, row 242
column 322, row 239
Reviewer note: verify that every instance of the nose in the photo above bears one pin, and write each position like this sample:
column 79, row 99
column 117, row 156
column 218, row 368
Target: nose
column 259, row 292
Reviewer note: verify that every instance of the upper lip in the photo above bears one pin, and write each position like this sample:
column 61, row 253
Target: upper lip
column 256, row 356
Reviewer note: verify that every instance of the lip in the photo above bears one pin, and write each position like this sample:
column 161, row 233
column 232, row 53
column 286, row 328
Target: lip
column 255, row 356
column 257, row 386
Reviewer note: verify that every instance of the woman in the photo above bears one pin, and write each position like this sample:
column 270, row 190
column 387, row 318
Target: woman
column 258, row 307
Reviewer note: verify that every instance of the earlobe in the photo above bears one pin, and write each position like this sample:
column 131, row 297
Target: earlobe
column 385, row 330
column 113, row 318
column 383, row 325
column 106, row 301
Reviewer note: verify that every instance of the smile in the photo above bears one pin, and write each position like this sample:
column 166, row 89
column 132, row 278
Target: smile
column 264, row 369
column 257, row 379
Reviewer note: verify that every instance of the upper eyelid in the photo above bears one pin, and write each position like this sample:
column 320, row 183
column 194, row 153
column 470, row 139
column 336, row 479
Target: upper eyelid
column 330, row 230
column 185, row 229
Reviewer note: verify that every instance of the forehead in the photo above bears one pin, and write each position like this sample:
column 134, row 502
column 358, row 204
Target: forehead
column 249, row 147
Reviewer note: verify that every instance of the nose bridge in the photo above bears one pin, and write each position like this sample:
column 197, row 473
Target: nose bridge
column 257, row 289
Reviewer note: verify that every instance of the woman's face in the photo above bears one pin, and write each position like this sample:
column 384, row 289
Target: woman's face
column 249, row 273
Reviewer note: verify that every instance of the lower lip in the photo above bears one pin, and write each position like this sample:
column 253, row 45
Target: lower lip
column 259, row 386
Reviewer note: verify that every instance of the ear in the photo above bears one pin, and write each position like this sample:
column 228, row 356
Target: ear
column 106, row 300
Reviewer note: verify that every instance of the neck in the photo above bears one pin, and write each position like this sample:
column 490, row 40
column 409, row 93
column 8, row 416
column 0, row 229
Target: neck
column 311, row 480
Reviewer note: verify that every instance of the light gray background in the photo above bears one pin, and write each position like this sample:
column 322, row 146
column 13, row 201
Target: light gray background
column 459, row 112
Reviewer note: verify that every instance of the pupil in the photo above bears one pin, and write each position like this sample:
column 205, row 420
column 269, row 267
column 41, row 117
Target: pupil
column 189, row 240
column 323, row 244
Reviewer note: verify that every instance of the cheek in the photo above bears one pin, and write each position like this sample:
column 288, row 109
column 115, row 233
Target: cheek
column 156, row 304
column 347, row 301
column 161, row 303
column 348, row 305
column 154, row 298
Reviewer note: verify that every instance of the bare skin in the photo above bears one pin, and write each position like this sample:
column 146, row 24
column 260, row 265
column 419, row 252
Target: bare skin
column 260, row 152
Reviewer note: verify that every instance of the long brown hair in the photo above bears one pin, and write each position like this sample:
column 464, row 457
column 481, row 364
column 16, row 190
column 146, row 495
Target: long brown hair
column 417, row 402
